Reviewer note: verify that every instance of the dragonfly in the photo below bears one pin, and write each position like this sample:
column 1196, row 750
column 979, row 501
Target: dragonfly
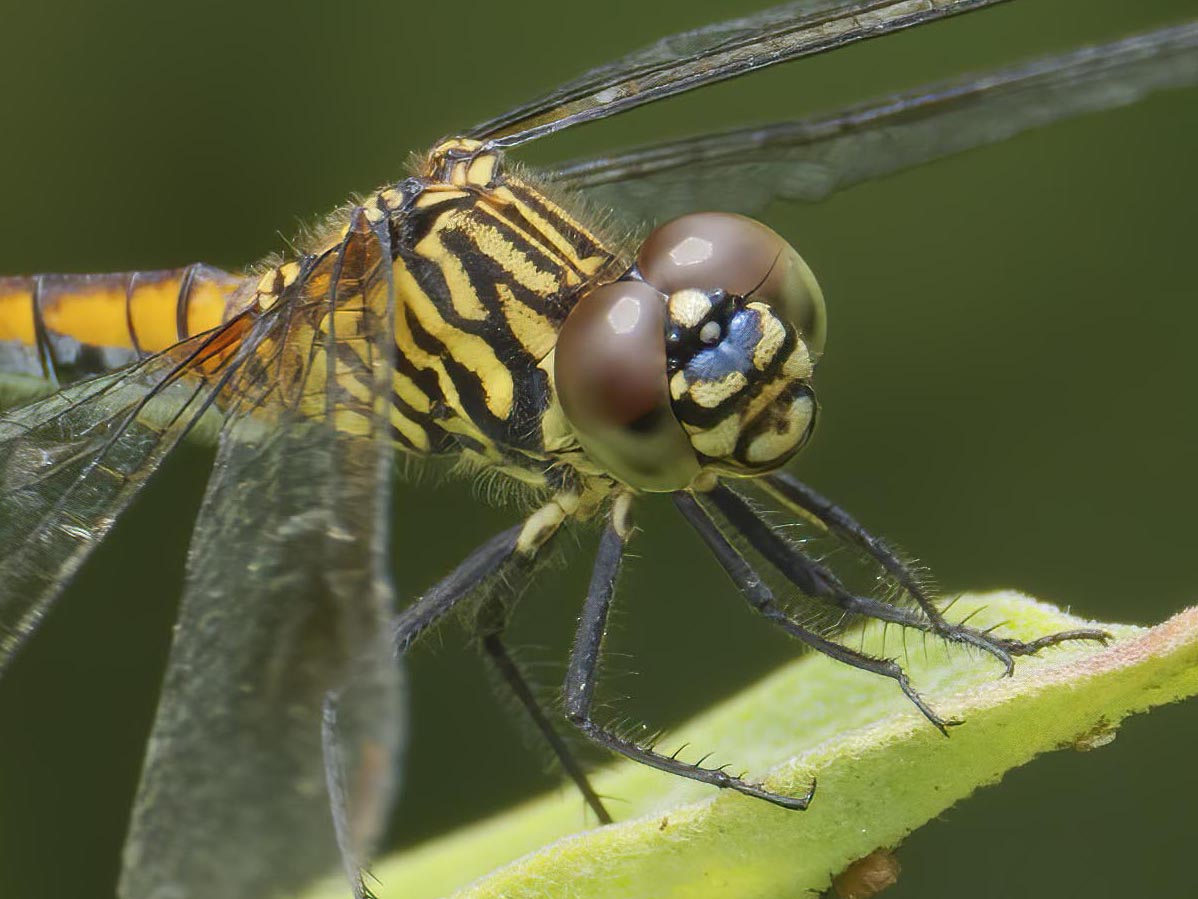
column 472, row 311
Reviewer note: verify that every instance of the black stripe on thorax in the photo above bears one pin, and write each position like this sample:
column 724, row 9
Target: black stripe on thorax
column 471, row 393
column 439, row 441
column 486, row 274
column 513, row 217
column 584, row 244
column 412, row 224
column 530, row 386
column 398, row 436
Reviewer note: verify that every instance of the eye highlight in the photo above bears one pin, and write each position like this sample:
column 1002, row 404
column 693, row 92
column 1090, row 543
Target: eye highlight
column 722, row 251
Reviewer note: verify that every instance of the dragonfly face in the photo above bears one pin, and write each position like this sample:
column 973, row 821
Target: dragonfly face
column 284, row 640
column 697, row 361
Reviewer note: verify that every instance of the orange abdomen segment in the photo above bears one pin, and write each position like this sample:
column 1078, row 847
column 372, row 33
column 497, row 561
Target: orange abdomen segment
column 66, row 326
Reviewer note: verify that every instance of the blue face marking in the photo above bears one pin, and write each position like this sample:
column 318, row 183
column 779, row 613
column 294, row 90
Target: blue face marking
column 733, row 353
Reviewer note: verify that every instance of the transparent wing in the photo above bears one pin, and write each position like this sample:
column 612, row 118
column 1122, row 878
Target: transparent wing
column 743, row 170
column 70, row 464
column 281, row 684
column 692, row 59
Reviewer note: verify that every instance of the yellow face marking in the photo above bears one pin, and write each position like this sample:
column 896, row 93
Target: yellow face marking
column 718, row 442
column 772, row 336
column 768, row 393
column 774, row 444
column 16, row 316
column 710, row 394
column 678, row 385
column 689, row 307
column 799, row 365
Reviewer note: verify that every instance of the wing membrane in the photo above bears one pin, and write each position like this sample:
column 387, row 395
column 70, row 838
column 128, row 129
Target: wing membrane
column 281, row 685
column 70, row 464
column 743, row 170
column 692, row 59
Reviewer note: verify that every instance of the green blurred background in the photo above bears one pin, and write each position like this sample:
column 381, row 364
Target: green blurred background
column 1008, row 387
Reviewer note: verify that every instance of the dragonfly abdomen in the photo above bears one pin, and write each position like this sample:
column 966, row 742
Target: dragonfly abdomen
column 65, row 327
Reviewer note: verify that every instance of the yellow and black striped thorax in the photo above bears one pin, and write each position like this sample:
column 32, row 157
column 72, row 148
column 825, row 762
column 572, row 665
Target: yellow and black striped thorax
column 486, row 269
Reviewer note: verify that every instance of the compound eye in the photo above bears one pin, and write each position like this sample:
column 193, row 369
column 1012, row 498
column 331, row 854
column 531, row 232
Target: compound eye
column 710, row 250
column 609, row 370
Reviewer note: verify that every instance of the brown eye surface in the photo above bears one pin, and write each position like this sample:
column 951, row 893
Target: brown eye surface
column 609, row 369
column 709, row 250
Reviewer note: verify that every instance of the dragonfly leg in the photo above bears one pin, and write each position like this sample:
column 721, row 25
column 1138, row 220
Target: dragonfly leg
column 481, row 565
column 515, row 680
column 798, row 497
column 584, row 668
column 496, row 570
column 816, row 580
column 761, row 598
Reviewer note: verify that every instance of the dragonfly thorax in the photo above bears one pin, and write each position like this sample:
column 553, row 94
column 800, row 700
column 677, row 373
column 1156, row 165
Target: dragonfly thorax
column 698, row 359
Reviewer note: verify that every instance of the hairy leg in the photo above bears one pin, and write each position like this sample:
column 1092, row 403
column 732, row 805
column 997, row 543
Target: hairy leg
column 503, row 561
column 584, row 670
column 817, row 581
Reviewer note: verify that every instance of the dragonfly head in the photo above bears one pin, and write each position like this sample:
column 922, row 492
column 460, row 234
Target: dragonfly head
column 699, row 359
